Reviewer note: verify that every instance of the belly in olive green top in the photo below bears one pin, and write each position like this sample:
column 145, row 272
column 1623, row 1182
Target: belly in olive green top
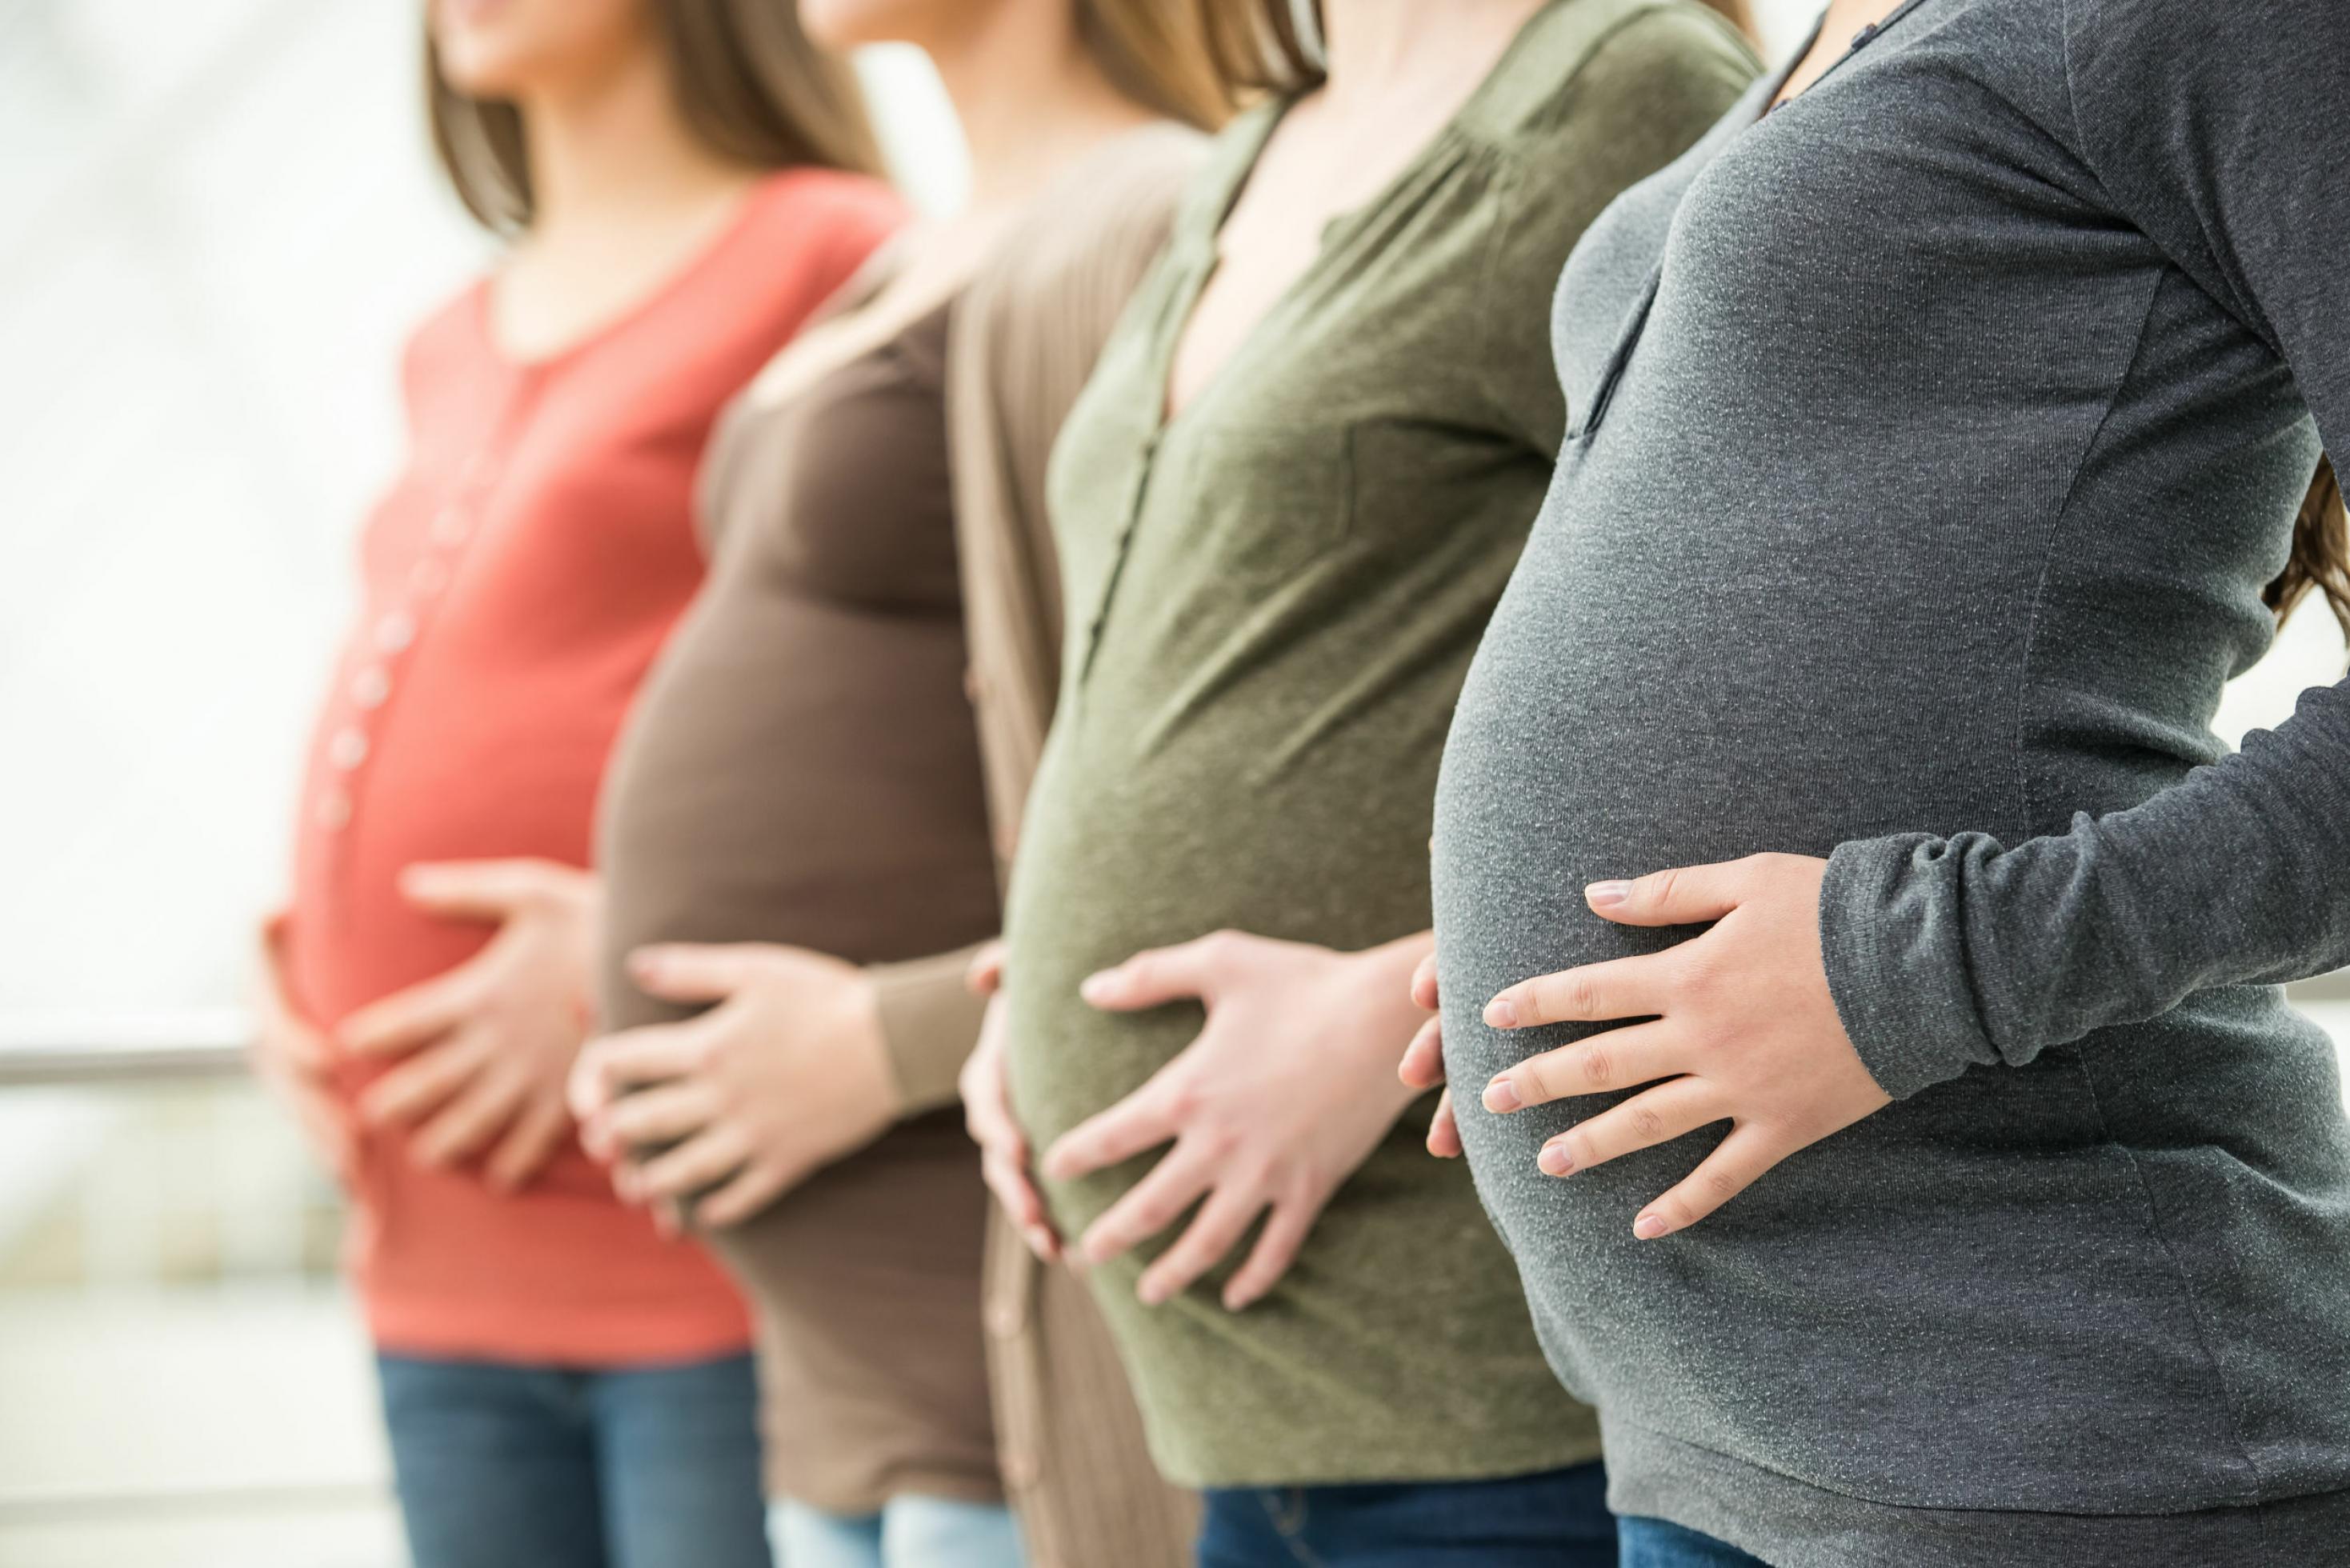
column 1272, row 603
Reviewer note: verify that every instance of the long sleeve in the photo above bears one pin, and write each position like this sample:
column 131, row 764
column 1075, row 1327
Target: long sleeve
column 930, row 1020
column 2215, row 132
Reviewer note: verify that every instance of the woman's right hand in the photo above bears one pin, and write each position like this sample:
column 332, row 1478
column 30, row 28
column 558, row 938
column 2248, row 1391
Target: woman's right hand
column 292, row 1059
column 987, row 1113
column 1422, row 1066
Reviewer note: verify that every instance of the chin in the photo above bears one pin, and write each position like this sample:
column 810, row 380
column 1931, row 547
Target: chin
column 502, row 48
column 841, row 24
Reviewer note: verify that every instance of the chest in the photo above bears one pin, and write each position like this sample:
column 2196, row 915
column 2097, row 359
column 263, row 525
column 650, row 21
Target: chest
column 538, row 518
column 1915, row 233
column 842, row 491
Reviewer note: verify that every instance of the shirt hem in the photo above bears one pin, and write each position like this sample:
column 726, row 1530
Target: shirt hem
column 621, row 1337
column 1422, row 1459
column 953, row 1486
column 1793, row 1524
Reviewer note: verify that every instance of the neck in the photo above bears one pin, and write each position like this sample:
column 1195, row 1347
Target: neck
column 613, row 144
column 1030, row 98
column 1372, row 48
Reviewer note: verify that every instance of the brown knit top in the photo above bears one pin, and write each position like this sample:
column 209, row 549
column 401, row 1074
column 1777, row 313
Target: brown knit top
column 803, row 769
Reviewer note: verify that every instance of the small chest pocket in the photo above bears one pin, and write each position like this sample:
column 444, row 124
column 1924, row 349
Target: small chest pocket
column 1272, row 500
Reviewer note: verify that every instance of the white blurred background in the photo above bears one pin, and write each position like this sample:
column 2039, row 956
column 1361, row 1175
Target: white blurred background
column 222, row 220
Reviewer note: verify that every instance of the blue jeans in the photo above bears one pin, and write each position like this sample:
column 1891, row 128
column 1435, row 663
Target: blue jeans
column 649, row 1467
column 910, row 1531
column 1557, row 1519
column 1654, row 1543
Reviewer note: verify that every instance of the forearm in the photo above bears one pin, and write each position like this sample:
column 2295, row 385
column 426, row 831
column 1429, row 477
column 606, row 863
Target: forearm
column 929, row 1019
column 1945, row 953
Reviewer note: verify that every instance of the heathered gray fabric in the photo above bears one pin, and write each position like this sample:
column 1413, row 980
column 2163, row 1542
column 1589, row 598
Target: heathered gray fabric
column 1932, row 440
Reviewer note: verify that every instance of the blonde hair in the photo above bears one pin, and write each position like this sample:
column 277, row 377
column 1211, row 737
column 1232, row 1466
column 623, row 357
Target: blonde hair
column 1158, row 56
column 749, row 84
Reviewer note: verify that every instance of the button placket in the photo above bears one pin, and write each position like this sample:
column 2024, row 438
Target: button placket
column 394, row 632
column 1137, row 495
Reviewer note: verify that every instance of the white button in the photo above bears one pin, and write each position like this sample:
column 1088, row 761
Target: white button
column 370, row 685
column 347, row 750
column 333, row 810
column 429, row 577
column 395, row 632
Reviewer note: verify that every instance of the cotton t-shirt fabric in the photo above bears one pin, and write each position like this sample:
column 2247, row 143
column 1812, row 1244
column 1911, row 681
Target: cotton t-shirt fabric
column 1026, row 335
column 803, row 770
column 1935, row 437
column 1272, row 601
column 518, row 578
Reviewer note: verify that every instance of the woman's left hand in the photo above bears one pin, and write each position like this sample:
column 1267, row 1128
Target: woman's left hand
column 786, row 1074
column 1738, row 1027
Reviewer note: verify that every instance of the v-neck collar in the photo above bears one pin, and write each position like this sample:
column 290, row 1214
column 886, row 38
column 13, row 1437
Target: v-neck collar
column 1866, row 36
column 1206, row 245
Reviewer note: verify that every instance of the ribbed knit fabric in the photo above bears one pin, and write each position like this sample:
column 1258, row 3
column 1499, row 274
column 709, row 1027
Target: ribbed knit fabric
column 1025, row 338
column 1933, row 439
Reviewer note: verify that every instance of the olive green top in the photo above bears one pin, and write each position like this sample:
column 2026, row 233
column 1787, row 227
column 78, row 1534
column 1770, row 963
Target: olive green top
column 1272, row 600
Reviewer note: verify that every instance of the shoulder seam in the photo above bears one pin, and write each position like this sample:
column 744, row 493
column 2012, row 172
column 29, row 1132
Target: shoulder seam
column 1553, row 105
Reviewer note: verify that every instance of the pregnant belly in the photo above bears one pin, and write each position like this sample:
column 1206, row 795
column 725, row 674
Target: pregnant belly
column 795, row 773
column 1580, row 751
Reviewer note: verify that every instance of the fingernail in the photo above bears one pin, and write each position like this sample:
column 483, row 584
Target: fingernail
column 1096, row 987
column 1151, row 1293
column 1502, row 1013
column 1648, row 1227
column 1556, row 1161
column 1501, row 1095
column 1604, row 894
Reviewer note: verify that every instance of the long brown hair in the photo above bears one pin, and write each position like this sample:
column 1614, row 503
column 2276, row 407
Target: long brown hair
column 1259, row 45
column 1158, row 56
column 749, row 84
column 2321, row 553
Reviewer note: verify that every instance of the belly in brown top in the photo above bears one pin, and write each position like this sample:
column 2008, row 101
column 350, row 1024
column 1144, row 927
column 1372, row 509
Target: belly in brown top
column 802, row 768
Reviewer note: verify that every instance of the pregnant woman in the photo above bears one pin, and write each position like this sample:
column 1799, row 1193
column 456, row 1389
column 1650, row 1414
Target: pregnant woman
column 1953, row 1184
column 797, row 830
column 562, row 1386
column 1285, row 505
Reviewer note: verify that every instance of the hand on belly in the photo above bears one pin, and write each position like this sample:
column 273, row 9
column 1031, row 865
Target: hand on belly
column 727, row 1111
column 1737, row 1024
column 1281, row 1098
column 483, row 1048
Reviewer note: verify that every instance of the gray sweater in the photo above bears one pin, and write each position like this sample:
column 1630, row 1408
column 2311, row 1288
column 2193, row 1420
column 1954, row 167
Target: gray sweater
column 1931, row 442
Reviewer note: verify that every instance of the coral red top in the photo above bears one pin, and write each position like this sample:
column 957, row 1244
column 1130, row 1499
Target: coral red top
column 519, row 578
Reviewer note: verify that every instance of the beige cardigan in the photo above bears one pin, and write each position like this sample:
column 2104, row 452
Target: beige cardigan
column 1025, row 339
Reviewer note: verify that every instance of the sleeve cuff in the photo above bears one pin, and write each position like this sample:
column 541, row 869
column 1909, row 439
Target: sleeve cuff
column 930, row 1020
column 1895, row 953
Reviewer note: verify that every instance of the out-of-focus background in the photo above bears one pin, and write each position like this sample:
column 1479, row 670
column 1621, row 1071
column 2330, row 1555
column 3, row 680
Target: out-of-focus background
column 222, row 223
